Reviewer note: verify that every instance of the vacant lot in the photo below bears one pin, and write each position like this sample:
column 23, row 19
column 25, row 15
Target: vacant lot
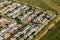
column 52, row 5
column 35, row 3
column 53, row 34
column 57, row 2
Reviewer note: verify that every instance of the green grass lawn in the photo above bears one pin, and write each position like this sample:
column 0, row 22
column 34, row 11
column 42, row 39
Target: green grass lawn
column 38, row 3
column 53, row 34
column 57, row 2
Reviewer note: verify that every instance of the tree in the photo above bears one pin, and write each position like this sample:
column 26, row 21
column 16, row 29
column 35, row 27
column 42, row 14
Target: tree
column 18, row 20
column 0, row 16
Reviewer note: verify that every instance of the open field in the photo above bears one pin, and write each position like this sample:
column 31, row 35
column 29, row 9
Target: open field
column 52, row 5
column 35, row 3
column 57, row 2
column 53, row 34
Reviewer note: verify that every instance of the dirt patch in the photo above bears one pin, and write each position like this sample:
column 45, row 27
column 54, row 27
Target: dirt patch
column 58, row 19
column 52, row 5
column 44, row 33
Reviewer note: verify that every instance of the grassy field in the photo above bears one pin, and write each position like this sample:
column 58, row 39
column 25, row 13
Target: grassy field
column 53, row 34
column 57, row 2
column 38, row 3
